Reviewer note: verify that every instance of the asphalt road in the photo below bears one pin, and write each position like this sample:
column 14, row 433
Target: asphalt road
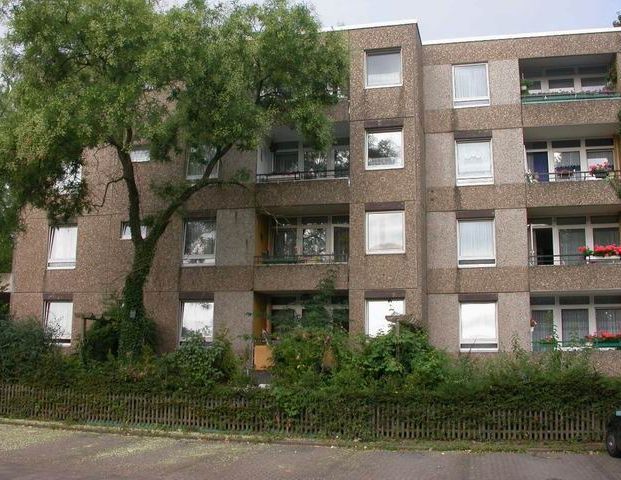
column 39, row 453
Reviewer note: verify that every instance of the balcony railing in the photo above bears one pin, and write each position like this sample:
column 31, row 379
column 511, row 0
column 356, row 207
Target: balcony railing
column 302, row 175
column 569, row 176
column 301, row 259
column 551, row 97
column 569, row 345
column 571, row 259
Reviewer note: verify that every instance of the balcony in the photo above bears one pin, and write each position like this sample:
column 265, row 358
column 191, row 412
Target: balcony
column 572, row 260
column 568, row 175
column 311, row 259
column 569, row 96
column 296, row 176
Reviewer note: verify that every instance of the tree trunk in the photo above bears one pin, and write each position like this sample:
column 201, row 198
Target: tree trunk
column 137, row 331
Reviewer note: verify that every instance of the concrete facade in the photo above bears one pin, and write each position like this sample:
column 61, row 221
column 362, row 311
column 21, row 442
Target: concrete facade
column 427, row 275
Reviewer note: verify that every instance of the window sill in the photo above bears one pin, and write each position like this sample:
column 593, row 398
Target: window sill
column 389, row 252
column 478, row 350
column 375, row 87
column 488, row 104
column 49, row 267
column 464, row 183
column 396, row 167
column 194, row 265
column 478, row 265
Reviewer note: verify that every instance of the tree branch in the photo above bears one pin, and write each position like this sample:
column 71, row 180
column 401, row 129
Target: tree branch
column 103, row 201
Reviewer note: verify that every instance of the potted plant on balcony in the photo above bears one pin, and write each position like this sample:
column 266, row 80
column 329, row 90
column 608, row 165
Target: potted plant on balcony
column 601, row 253
column 600, row 170
column 525, row 86
column 605, row 339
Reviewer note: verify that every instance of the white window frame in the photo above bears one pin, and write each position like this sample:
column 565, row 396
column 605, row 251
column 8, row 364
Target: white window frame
column 476, row 265
column 576, row 76
column 463, row 340
column 588, row 228
column 61, row 341
column 136, row 154
column 366, row 311
column 299, row 227
column 144, row 231
column 182, row 303
column 70, row 265
column 385, row 252
column 368, row 132
column 301, row 149
column 557, row 315
column 380, row 51
column 583, row 149
column 465, row 181
column 215, row 173
column 210, row 260
column 485, row 101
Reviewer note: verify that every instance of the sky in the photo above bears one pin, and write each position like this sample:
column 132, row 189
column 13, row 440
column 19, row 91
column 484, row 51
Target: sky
column 442, row 19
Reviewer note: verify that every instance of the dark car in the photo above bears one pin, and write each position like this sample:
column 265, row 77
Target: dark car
column 613, row 434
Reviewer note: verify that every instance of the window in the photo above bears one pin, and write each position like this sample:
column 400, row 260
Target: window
column 383, row 68
column 139, row 155
column 561, row 84
column 63, row 246
column 608, row 320
column 126, row 233
column 286, row 312
column 199, row 246
column 476, row 243
column 317, row 239
column 71, row 179
column 470, row 85
column 59, row 318
column 574, row 324
column 384, row 149
column 477, row 327
column 198, row 158
column 296, row 161
column 197, row 317
column 474, row 162
column 385, row 232
column 376, row 313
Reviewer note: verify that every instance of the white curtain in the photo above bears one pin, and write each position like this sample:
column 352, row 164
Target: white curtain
column 198, row 317
column 595, row 157
column 470, row 82
column 383, row 69
column 59, row 318
column 377, row 311
column 608, row 319
column 476, row 239
column 575, row 324
column 478, row 323
column 64, row 244
column 474, row 160
column 385, row 231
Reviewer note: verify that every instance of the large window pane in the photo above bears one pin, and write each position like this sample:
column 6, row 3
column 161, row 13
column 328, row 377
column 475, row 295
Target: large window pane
column 384, row 150
column 575, row 325
column 314, row 241
column 59, row 317
column 476, row 242
column 285, row 161
column 197, row 317
column 606, row 236
column 385, row 232
column 478, row 326
column 474, row 162
column 139, row 155
column 383, row 68
column 470, row 85
column 126, row 233
column 63, row 247
column 376, row 313
column 200, row 242
column 608, row 320
column 341, row 244
column 198, row 158
column 341, row 161
column 544, row 328
column 569, row 241
column 315, row 163
column 285, row 240
column 566, row 162
column 561, row 84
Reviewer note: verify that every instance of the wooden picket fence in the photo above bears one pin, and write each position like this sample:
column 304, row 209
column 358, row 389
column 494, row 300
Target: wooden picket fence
column 345, row 418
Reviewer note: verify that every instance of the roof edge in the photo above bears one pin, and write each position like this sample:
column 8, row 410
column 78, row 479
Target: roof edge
column 523, row 35
column 371, row 25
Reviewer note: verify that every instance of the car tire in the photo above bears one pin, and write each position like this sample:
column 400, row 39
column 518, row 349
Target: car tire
column 611, row 445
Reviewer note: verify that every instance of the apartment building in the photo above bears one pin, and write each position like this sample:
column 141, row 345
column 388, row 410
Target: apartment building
column 457, row 193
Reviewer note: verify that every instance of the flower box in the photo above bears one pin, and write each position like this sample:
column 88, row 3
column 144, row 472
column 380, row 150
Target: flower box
column 600, row 170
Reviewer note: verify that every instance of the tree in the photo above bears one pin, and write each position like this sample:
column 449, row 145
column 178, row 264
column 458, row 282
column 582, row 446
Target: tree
column 88, row 74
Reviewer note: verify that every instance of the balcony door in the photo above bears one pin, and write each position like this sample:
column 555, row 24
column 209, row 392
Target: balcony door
column 542, row 241
column 538, row 165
